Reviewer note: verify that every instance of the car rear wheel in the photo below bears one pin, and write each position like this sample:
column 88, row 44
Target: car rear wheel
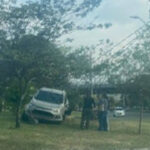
column 64, row 117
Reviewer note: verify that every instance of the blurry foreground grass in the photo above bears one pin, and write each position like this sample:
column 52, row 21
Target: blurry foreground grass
column 67, row 136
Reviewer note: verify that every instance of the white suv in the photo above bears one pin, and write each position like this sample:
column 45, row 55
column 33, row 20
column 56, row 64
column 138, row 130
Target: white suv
column 119, row 112
column 48, row 104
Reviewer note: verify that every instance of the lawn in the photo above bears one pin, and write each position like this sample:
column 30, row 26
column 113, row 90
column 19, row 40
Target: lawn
column 67, row 136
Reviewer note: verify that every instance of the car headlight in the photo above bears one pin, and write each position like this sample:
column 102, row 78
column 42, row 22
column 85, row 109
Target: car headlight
column 56, row 110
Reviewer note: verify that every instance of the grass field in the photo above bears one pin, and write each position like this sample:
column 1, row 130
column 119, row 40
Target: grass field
column 67, row 136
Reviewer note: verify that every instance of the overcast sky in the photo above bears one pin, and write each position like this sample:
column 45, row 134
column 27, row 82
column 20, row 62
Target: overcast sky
column 118, row 13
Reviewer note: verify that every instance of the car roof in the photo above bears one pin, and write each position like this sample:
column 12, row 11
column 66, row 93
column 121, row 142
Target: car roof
column 52, row 90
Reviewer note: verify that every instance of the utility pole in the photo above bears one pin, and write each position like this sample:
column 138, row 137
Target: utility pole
column 141, row 111
column 91, row 71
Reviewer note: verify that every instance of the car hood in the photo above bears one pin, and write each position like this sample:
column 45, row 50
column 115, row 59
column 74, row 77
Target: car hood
column 45, row 105
column 119, row 111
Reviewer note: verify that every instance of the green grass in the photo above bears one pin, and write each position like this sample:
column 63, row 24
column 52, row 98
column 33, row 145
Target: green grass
column 67, row 136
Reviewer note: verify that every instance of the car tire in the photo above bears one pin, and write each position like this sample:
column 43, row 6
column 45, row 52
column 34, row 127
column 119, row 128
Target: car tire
column 64, row 117
column 24, row 117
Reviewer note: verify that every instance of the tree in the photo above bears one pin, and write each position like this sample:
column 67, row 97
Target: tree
column 79, row 63
column 32, row 60
column 47, row 18
column 132, row 59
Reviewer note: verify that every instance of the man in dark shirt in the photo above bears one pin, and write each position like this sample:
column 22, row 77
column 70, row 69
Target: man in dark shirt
column 87, row 110
column 103, row 113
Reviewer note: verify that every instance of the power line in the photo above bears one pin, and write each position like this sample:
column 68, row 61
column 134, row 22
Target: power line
column 123, row 40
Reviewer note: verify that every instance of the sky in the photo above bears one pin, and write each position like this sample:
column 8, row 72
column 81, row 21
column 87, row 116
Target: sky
column 118, row 13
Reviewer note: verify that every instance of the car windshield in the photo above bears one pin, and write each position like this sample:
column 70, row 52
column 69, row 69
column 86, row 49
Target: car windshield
column 49, row 97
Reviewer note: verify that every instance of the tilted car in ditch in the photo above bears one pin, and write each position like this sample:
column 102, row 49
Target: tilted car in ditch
column 48, row 104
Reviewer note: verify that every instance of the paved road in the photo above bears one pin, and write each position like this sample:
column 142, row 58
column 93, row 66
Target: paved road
column 130, row 115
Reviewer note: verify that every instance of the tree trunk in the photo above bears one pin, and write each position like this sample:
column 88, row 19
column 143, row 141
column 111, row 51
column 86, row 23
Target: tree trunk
column 18, row 111
column 18, row 105
column 18, row 119
column 22, row 93
column 140, row 119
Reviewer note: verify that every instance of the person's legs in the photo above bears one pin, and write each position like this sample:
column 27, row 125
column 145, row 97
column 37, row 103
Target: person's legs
column 101, row 121
column 88, row 117
column 105, row 121
column 83, row 118
column 87, row 123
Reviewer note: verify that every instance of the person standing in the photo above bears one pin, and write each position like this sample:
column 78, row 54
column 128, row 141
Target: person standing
column 88, row 104
column 103, row 113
